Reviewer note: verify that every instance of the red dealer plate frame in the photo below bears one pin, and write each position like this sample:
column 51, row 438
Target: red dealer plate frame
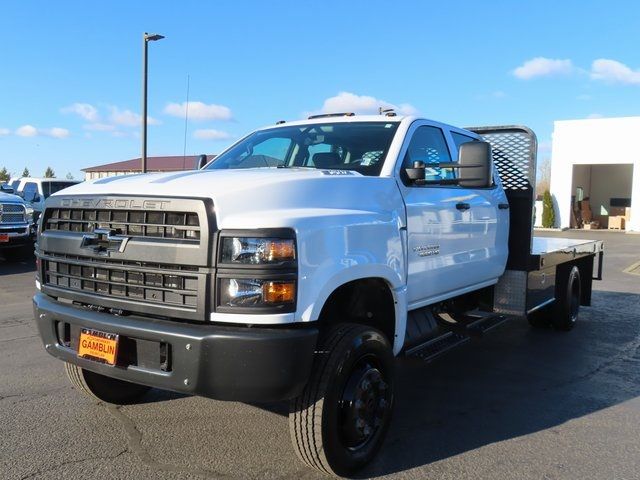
column 4, row 237
column 97, row 345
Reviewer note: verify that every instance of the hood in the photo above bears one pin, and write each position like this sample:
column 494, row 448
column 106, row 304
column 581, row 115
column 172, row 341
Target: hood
column 10, row 198
column 255, row 198
column 198, row 183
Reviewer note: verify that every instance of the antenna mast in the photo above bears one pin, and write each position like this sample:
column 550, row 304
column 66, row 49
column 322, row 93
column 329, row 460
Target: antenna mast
column 186, row 118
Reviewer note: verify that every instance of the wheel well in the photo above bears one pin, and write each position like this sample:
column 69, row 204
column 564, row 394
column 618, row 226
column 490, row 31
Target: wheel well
column 367, row 301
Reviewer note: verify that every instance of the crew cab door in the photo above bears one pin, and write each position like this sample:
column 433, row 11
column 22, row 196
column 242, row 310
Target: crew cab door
column 456, row 237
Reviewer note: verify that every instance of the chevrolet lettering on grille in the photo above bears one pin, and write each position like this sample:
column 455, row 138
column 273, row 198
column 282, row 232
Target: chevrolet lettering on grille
column 103, row 242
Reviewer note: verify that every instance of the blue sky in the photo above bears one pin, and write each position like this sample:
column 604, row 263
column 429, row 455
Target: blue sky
column 70, row 72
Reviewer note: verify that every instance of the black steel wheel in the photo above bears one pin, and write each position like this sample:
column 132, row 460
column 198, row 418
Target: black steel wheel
column 567, row 304
column 340, row 420
column 104, row 389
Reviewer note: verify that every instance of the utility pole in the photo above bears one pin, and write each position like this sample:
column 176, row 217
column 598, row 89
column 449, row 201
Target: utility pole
column 146, row 38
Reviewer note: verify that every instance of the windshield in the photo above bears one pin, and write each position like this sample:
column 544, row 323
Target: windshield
column 49, row 188
column 358, row 146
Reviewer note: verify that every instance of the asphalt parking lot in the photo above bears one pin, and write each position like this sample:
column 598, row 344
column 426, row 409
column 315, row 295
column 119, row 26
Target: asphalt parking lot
column 518, row 404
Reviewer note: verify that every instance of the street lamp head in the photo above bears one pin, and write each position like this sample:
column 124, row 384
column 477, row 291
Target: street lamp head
column 153, row 37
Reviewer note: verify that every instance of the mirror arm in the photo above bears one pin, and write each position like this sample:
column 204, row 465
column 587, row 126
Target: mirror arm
column 451, row 165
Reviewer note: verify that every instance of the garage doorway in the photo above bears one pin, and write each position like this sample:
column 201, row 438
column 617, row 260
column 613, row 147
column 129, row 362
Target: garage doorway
column 601, row 194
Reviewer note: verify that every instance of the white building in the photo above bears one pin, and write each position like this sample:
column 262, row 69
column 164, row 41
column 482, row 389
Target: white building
column 602, row 158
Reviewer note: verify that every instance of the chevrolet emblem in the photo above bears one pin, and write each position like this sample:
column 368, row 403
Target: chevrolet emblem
column 103, row 242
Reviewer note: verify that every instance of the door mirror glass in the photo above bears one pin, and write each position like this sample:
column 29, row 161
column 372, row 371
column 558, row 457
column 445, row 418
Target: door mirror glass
column 416, row 172
column 474, row 160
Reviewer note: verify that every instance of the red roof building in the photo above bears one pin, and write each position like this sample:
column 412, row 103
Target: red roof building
column 154, row 165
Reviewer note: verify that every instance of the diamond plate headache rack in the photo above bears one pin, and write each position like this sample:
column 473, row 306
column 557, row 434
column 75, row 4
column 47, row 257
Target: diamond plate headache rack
column 514, row 150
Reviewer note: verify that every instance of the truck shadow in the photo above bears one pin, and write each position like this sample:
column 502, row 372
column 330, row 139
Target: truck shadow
column 14, row 261
column 514, row 382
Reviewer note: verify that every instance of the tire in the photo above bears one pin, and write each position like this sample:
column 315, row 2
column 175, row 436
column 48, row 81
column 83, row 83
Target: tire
column 567, row 304
column 104, row 389
column 340, row 420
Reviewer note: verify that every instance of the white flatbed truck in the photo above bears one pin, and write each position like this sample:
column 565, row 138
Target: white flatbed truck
column 297, row 264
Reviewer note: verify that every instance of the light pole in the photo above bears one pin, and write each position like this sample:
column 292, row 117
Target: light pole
column 146, row 38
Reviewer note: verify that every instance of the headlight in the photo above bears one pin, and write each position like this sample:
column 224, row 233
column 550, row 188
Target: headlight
column 257, row 251
column 253, row 292
column 28, row 214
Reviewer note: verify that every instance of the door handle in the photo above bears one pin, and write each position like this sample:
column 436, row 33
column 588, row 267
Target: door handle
column 503, row 206
column 463, row 206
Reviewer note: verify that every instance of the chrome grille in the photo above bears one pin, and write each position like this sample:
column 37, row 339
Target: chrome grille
column 151, row 283
column 12, row 213
column 131, row 223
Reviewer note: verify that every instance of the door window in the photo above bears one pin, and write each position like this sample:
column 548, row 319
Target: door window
column 428, row 145
column 459, row 139
column 30, row 192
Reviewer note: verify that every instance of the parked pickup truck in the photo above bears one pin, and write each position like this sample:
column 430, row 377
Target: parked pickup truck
column 297, row 264
column 17, row 230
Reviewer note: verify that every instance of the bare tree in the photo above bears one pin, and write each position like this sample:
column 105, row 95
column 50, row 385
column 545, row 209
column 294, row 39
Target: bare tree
column 543, row 182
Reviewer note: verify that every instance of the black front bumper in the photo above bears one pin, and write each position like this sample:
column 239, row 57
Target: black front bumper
column 18, row 239
column 222, row 362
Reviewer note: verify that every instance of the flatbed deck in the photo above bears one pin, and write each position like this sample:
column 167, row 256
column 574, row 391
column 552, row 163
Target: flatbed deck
column 548, row 251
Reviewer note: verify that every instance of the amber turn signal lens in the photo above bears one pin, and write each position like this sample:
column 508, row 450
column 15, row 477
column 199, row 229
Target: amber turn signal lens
column 281, row 250
column 278, row 292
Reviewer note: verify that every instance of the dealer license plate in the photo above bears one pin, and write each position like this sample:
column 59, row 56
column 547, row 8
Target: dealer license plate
column 4, row 237
column 98, row 346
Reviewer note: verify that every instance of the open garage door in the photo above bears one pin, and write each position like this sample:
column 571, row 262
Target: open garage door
column 601, row 196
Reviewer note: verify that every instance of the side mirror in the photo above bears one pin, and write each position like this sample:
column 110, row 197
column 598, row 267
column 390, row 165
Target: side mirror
column 36, row 198
column 474, row 160
column 202, row 161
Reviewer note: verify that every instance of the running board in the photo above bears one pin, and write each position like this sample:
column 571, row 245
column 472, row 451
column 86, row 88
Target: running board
column 455, row 334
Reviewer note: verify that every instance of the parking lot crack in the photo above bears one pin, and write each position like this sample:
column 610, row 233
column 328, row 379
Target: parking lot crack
column 134, row 437
column 73, row 462
column 627, row 352
column 18, row 338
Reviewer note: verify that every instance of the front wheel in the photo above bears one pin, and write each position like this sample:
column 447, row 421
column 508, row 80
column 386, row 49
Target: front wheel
column 340, row 420
column 102, row 388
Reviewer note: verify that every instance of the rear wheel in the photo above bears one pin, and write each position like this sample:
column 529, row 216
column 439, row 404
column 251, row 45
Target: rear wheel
column 562, row 314
column 340, row 420
column 567, row 305
column 102, row 388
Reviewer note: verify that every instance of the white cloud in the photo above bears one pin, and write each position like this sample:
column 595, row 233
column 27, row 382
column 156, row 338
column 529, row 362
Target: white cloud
column 27, row 131
column 543, row 67
column 4, row 131
column 31, row 131
column 198, row 111
column 56, row 132
column 595, row 115
column 128, row 118
column 99, row 127
column 84, row 110
column 211, row 134
column 364, row 104
column 612, row 71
